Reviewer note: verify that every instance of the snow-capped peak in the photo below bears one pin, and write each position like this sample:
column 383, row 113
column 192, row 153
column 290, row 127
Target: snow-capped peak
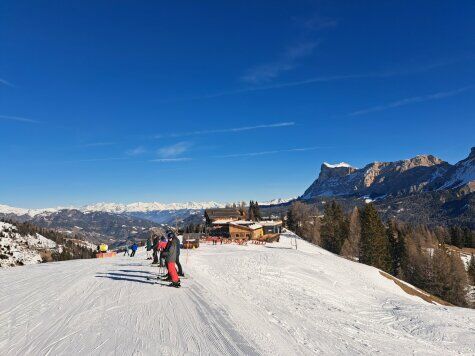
column 146, row 207
column 338, row 165
column 116, row 208
column 5, row 209
column 277, row 201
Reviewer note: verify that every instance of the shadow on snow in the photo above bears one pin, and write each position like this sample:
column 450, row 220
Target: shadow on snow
column 139, row 278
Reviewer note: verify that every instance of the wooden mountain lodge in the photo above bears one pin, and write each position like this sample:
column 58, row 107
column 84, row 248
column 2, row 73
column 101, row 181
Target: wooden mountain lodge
column 229, row 223
column 222, row 214
column 251, row 231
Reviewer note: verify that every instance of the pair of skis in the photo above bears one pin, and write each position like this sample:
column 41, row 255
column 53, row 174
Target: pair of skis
column 164, row 283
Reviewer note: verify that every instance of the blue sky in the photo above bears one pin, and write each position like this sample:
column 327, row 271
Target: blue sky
column 174, row 101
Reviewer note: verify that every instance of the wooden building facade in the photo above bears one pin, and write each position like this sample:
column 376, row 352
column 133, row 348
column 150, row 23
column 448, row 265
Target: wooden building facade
column 247, row 232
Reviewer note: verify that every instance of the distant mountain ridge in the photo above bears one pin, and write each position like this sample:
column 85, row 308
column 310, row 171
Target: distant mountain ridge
column 422, row 173
column 137, row 208
column 420, row 190
column 114, row 223
column 115, row 208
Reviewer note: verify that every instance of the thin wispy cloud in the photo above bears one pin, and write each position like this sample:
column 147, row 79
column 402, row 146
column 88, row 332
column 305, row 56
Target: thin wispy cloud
column 237, row 155
column 293, row 56
column 317, row 22
column 19, row 119
column 229, row 130
column 98, row 144
column 136, row 151
column 289, row 60
column 415, row 68
column 411, row 100
column 389, row 73
column 263, row 153
column 173, row 150
column 178, row 159
column 99, row 159
column 5, row 82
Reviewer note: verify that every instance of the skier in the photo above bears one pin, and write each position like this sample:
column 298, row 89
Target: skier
column 162, row 244
column 155, row 250
column 171, row 256
column 134, row 249
column 180, row 269
column 149, row 247
column 126, row 249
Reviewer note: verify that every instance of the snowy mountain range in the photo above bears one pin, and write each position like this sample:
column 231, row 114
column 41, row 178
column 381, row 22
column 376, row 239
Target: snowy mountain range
column 115, row 208
column 137, row 207
column 113, row 223
column 420, row 190
column 418, row 174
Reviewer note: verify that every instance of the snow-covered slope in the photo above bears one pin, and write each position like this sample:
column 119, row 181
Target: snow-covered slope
column 238, row 300
column 460, row 174
column 16, row 249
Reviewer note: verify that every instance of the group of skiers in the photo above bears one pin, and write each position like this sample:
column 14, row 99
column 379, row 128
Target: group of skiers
column 134, row 249
column 166, row 253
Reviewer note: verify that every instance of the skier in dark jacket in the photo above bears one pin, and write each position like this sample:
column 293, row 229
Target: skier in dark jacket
column 155, row 249
column 171, row 252
column 178, row 264
column 149, row 248
column 134, row 249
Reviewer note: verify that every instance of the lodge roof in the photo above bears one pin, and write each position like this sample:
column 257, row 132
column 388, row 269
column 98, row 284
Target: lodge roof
column 270, row 223
column 222, row 213
column 247, row 227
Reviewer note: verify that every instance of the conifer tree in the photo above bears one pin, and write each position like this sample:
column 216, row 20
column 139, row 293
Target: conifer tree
column 290, row 221
column 334, row 228
column 456, row 235
column 257, row 211
column 327, row 232
column 397, row 248
column 251, row 215
column 374, row 242
column 468, row 238
column 351, row 246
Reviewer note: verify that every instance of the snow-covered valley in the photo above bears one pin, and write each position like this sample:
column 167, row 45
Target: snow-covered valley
column 238, row 300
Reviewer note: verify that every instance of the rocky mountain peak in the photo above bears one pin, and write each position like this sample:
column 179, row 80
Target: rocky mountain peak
column 328, row 171
column 377, row 178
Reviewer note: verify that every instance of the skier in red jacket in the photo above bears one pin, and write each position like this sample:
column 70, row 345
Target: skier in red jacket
column 162, row 244
column 171, row 252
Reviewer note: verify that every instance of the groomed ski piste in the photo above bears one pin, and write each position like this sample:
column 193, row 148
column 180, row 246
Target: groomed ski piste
column 238, row 300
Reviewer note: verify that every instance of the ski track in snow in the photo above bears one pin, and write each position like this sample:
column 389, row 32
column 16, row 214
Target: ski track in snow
column 239, row 300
